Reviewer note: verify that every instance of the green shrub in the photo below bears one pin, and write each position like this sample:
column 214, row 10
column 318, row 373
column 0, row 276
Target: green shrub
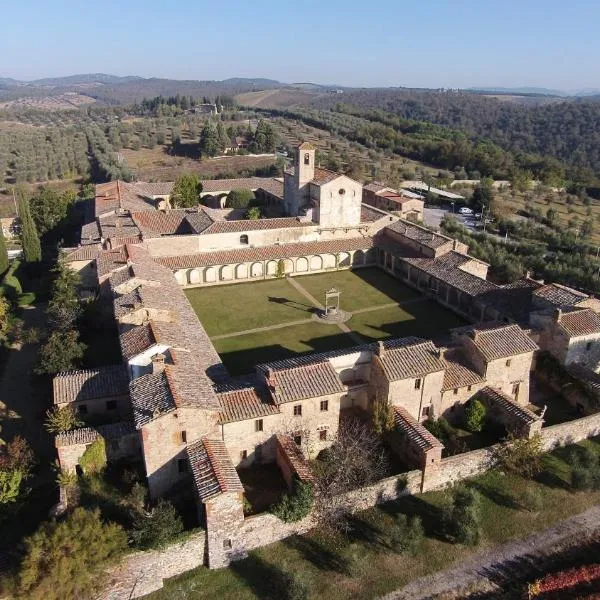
column 60, row 419
column 239, row 198
column 463, row 519
column 474, row 416
column 532, row 499
column 93, row 459
column 66, row 559
column 157, row 527
column 407, row 534
column 522, row 456
column 296, row 505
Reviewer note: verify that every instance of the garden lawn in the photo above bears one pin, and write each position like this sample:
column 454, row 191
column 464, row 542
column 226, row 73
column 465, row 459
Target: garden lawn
column 422, row 319
column 361, row 288
column 229, row 308
column 364, row 565
column 241, row 353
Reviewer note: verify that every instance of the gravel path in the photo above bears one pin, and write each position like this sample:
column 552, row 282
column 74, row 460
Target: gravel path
column 488, row 570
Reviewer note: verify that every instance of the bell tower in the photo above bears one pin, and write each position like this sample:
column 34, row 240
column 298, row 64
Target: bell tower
column 305, row 163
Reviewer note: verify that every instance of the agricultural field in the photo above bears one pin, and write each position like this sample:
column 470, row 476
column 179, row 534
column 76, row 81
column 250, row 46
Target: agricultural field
column 280, row 323
column 278, row 98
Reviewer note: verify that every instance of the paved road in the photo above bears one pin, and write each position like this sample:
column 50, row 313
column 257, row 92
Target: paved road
column 489, row 570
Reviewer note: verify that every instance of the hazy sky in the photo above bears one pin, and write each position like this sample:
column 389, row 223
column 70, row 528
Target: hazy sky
column 426, row 43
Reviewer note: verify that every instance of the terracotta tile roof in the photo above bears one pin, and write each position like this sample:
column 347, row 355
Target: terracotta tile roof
column 559, row 295
column 158, row 188
column 90, row 231
column 415, row 432
column 88, row 252
column 109, row 260
column 120, row 194
column 212, row 469
column 87, row 435
column 275, row 252
column 375, row 187
column 409, row 357
column 323, row 176
column 580, row 322
column 72, row 386
column 495, row 342
column 295, row 458
column 245, row 403
column 269, row 184
column 135, row 339
column 173, row 222
column 119, row 277
column 151, row 397
column 419, row 234
column 459, row 373
column 247, row 225
column 507, row 404
column 588, row 377
column 306, row 146
column 370, row 214
column 304, row 381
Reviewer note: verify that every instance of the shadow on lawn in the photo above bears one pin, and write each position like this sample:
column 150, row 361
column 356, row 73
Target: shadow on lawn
column 307, row 308
column 265, row 580
column 316, row 552
column 431, row 516
column 496, row 496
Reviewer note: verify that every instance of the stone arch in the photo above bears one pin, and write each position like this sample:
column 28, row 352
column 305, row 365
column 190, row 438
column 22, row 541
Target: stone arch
column 329, row 261
column 272, row 267
column 241, row 271
column 226, row 273
column 302, row 264
column 256, row 270
column 343, row 259
column 195, row 276
column 358, row 258
column 316, row 263
column 288, row 265
column 210, row 274
column 181, row 277
column 371, row 256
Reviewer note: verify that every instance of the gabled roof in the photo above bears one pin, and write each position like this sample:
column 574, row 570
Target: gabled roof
column 415, row 432
column 90, row 384
column 501, row 341
column 323, row 176
column 507, row 404
column 311, row 380
column 174, row 222
column 409, row 357
column 294, row 457
column 247, row 225
column 270, row 184
column 459, row 372
column 87, row 252
column 419, row 234
column 87, row 435
column 151, row 397
column 580, row 322
column 245, row 403
column 559, row 295
column 213, row 471
column 306, row 146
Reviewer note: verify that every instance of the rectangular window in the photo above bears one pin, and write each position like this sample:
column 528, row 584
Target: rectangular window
column 323, row 435
column 588, row 346
column 111, row 405
column 455, row 391
column 82, row 409
column 324, row 405
column 243, row 454
column 258, row 425
column 508, row 362
column 425, row 411
column 469, row 388
column 184, row 437
column 182, row 465
column 298, row 439
column 298, row 410
column 226, row 544
column 515, row 390
column 417, row 384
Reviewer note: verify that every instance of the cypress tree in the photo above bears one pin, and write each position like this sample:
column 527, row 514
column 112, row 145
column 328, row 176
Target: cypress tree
column 3, row 254
column 32, row 250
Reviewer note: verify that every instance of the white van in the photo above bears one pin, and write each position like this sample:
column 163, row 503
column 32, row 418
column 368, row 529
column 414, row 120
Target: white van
column 463, row 210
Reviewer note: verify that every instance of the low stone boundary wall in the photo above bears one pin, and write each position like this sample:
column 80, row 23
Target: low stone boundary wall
column 143, row 572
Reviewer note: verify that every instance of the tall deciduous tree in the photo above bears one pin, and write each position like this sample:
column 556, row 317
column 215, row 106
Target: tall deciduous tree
column 186, row 191
column 209, row 141
column 32, row 250
column 61, row 352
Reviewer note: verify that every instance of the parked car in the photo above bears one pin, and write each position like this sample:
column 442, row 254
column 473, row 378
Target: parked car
column 463, row 210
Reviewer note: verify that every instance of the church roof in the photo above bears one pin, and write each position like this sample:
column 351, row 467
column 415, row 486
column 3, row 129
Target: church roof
column 323, row 176
column 306, row 146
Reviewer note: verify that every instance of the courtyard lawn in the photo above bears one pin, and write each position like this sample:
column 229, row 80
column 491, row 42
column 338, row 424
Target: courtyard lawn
column 422, row 319
column 344, row 568
column 228, row 308
column 241, row 353
column 361, row 288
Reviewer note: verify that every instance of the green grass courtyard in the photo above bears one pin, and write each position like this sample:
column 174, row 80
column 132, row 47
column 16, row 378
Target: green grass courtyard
column 262, row 321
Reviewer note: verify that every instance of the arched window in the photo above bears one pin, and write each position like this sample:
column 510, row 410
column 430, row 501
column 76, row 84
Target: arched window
column 307, row 158
column 243, row 239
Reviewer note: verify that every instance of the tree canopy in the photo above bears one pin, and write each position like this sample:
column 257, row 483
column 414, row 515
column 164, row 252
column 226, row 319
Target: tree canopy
column 32, row 250
column 239, row 198
column 186, row 191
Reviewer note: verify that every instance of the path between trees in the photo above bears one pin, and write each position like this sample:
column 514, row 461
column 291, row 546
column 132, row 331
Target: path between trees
column 489, row 570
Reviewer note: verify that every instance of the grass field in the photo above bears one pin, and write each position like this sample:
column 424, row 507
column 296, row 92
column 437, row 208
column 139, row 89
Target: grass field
column 384, row 308
column 364, row 564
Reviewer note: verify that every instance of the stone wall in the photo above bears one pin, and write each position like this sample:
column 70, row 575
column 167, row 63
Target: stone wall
column 143, row 572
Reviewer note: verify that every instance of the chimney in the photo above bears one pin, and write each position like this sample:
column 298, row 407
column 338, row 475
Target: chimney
column 380, row 348
column 557, row 315
column 475, row 334
column 158, row 363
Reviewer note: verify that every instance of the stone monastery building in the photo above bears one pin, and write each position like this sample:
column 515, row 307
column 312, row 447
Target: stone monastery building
column 172, row 402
